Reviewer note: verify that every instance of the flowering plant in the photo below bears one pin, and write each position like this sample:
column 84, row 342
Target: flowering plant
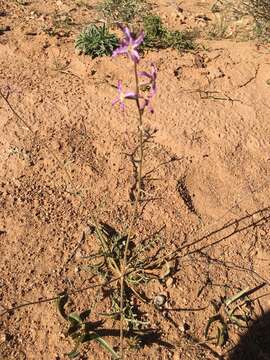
column 129, row 47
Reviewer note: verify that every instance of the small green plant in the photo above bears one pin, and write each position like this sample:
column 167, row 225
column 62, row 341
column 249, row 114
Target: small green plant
column 80, row 330
column 96, row 41
column 122, row 11
column 157, row 36
column 107, row 264
column 226, row 315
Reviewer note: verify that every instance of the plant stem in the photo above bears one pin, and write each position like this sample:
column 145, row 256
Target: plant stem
column 135, row 212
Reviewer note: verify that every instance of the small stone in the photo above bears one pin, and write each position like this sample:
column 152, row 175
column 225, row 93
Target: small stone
column 159, row 300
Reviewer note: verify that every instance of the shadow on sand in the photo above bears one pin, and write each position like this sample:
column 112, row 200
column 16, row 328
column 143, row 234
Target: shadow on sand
column 255, row 344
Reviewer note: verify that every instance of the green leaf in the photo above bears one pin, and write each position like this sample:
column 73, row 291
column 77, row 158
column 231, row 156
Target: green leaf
column 61, row 302
column 73, row 354
column 240, row 320
column 236, row 297
column 84, row 314
column 74, row 318
column 107, row 347
column 73, row 330
column 213, row 319
column 102, row 342
column 222, row 335
column 96, row 41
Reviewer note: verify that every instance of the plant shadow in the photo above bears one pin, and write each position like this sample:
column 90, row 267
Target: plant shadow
column 255, row 343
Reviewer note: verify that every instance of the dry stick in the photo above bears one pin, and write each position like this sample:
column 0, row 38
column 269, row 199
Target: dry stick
column 176, row 253
column 134, row 216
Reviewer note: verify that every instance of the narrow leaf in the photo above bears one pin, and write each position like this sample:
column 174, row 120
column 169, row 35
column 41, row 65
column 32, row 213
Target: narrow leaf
column 236, row 297
column 101, row 341
column 84, row 315
column 210, row 322
column 75, row 352
column 107, row 347
column 222, row 335
column 74, row 318
column 61, row 302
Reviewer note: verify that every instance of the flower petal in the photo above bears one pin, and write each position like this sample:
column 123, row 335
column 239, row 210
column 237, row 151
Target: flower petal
column 150, row 108
column 121, row 50
column 130, row 95
column 147, row 103
column 134, row 55
column 119, row 86
column 153, row 90
column 126, row 31
column 139, row 40
column 154, row 70
column 122, row 106
column 145, row 74
column 115, row 101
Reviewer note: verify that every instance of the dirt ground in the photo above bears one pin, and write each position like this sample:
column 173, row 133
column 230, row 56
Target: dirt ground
column 211, row 118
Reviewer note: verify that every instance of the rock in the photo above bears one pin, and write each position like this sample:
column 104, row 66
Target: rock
column 160, row 300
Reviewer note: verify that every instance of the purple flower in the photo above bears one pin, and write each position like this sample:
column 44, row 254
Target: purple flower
column 153, row 79
column 129, row 45
column 147, row 104
column 153, row 90
column 122, row 96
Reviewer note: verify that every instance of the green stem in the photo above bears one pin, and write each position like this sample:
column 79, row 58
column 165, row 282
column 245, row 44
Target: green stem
column 135, row 212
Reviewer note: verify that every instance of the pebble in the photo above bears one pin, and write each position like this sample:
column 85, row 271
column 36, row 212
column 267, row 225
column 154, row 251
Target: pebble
column 159, row 300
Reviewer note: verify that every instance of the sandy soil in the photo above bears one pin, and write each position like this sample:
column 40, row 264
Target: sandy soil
column 212, row 136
